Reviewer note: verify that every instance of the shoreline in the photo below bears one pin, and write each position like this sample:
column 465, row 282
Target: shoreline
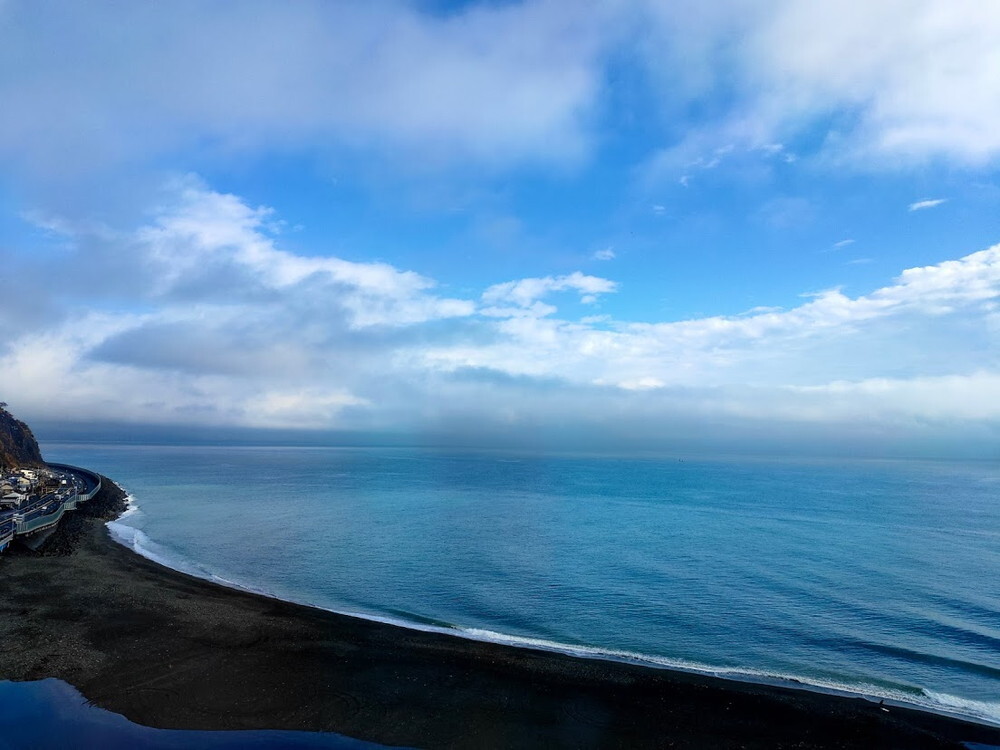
column 171, row 650
column 733, row 674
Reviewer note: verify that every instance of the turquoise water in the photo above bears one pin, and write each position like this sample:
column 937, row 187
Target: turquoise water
column 879, row 577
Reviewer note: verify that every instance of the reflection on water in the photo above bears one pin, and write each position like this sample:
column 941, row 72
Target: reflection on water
column 52, row 715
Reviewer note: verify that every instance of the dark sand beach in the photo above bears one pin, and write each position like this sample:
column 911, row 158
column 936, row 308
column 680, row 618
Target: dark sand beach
column 168, row 650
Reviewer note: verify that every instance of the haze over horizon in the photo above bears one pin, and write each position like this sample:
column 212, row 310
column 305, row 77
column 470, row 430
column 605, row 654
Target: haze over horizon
column 616, row 224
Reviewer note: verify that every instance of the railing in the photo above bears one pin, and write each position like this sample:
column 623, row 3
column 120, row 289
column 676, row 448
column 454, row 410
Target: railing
column 91, row 477
column 6, row 532
column 49, row 510
column 44, row 512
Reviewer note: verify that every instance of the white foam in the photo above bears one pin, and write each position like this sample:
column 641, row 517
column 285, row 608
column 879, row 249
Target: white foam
column 985, row 710
column 742, row 674
column 137, row 541
column 589, row 652
column 981, row 711
column 131, row 507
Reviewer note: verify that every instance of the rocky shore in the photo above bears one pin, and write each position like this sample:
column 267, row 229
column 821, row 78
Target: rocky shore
column 169, row 650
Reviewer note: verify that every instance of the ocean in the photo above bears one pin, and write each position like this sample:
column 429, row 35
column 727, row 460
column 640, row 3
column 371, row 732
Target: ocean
column 860, row 576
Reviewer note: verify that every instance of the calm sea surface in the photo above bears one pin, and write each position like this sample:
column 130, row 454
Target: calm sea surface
column 880, row 577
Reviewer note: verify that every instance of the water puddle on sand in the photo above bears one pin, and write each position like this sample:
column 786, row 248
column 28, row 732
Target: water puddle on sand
column 53, row 715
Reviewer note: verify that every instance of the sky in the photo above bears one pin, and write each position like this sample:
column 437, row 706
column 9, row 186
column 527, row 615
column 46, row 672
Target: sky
column 620, row 224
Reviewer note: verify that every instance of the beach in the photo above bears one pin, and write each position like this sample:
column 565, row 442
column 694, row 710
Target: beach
column 169, row 650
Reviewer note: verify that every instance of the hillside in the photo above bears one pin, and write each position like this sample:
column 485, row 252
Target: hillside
column 17, row 444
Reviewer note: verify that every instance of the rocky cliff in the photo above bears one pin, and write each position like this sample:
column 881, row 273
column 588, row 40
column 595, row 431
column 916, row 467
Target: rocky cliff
column 17, row 445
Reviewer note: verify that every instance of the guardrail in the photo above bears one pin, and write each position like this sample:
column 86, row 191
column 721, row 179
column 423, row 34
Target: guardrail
column 36, row 519
column 93, row 478
column 6, row 532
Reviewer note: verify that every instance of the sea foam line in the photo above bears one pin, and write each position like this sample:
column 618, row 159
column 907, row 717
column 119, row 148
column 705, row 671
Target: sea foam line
column 943, row 703
column 987, row 712
column 131, row 507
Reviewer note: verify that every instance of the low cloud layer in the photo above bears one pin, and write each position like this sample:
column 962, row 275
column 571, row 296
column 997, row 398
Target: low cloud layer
column 216, row 324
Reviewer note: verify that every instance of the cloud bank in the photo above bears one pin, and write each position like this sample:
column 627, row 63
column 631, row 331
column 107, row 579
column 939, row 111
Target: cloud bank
column 200, row 317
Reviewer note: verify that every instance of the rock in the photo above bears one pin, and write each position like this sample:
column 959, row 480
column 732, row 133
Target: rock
column 18, row 447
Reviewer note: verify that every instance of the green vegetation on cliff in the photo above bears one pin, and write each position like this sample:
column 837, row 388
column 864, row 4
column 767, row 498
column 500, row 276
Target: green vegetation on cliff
column 18, row 446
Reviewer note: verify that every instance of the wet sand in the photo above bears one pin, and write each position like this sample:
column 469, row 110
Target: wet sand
column 168, row 650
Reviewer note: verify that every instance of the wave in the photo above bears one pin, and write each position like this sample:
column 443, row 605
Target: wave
column 987, row 712
column 966, row 708
column 137, row 541
column 131, row 507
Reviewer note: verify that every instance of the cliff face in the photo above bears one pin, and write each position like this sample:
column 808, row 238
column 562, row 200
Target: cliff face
column 17, row 445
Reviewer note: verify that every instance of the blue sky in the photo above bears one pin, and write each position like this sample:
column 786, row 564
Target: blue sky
column 627, row 223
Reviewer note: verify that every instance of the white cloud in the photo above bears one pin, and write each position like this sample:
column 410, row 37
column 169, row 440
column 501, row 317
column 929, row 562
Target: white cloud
column 490, row 82
column 205, row 231
column 495, row 83
column 641, row 384
column 55, row 376
column 697, row 154
column 525, row 292
column 236, row 330
column 931, row 319
column 535, row 309
column 913, row 71
column 206, row 315
column 922, row 205
column 975, row 396
column 308, row 407
column 907, row 79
